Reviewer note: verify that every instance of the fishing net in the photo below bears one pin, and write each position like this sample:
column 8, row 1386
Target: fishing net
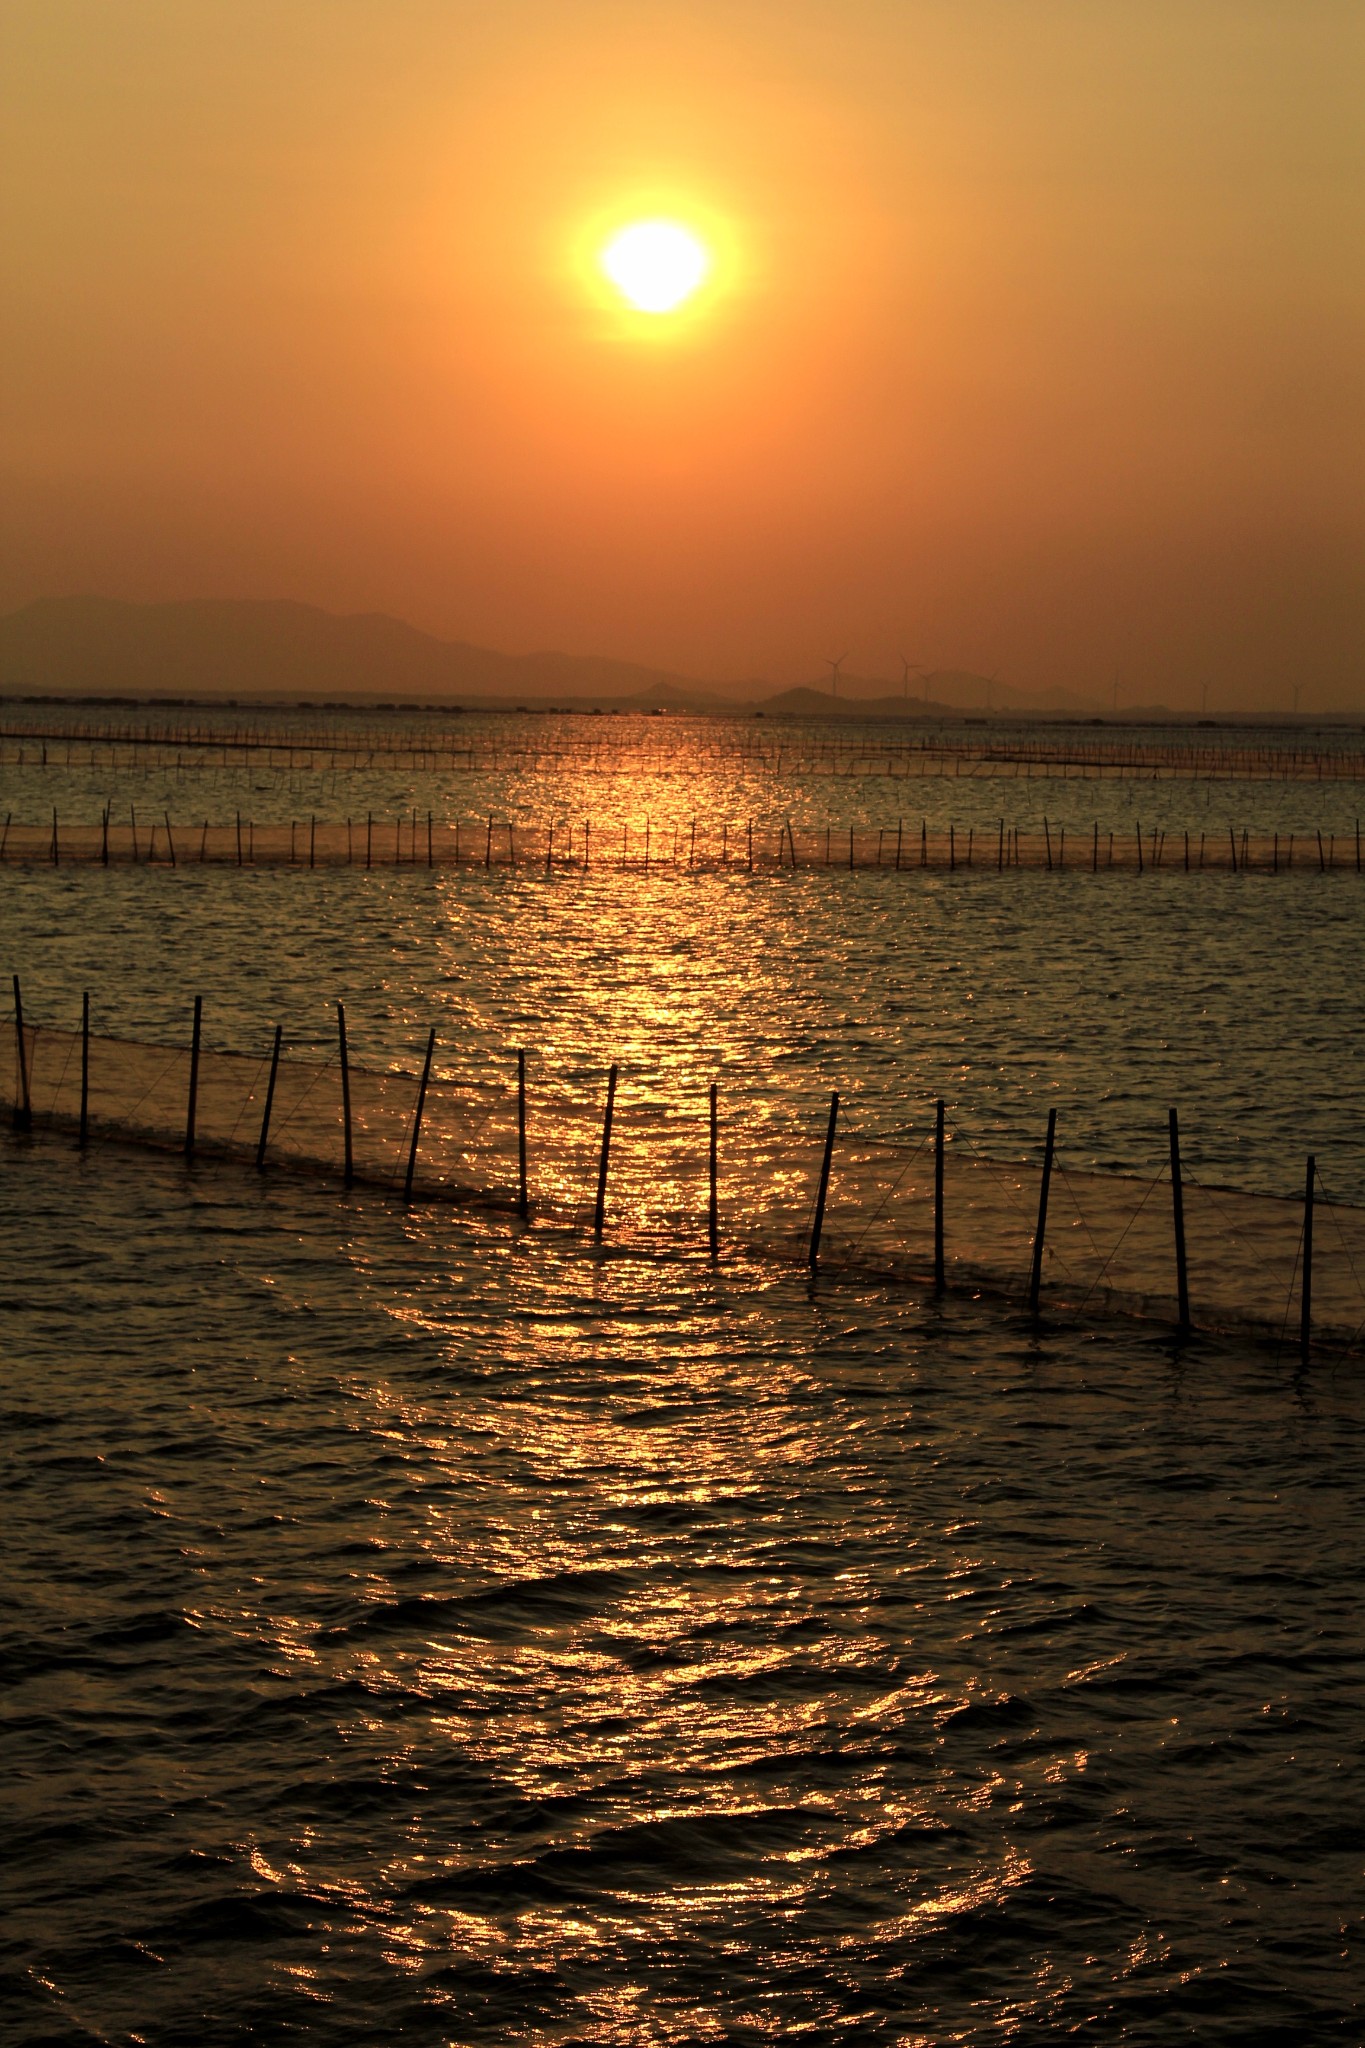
column 1108, row 1244
column 905, row 846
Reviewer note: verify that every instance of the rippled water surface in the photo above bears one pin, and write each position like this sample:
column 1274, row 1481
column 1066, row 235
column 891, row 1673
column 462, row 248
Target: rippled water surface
column 416, row 1628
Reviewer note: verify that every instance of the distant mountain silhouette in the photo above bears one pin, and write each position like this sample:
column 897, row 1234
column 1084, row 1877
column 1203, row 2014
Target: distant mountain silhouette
column 98, row 646
column 249, row 648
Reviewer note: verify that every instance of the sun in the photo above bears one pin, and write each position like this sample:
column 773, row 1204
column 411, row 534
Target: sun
column 656, row 264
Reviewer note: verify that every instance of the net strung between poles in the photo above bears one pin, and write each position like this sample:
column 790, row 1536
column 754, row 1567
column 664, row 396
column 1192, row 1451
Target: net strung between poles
column 1108, row 1246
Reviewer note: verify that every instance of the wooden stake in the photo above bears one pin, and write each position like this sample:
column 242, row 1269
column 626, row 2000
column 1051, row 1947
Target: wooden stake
column 169, row 841
column 264, row 1138
column 713, row 1205
column 938, row 1195
column 23, row 1114
column 349, row 1167
column 599, row 1216
column 369, row 836
column 417, row 1115
column 818, row 1224
column 1182, row 1279
column 1306, row 1297
column 85, row 1071
column 523, row 1194
column 192, row 1105
column 1036, row 1277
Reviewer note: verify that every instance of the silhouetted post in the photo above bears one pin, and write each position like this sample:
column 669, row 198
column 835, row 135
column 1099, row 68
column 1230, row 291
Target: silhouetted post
column 369, row 836
column 550, row 848
column 23, row 1115
column 193, row 1103
column 938, row 1195
column 239, row 841
column 1232, row 842
column 56, row 861
column 899, row 824
column 1036, row 1278
column 1306, row 1297
column 430, row 857
column 1047, row 837
column 600, row 1214
column 488, row 844
column 952, row 851
column 349, row 1168
column 751, row 845
column 417, row 1115
column 85, row 1071
column 169, row 841
column 1095, row 849
column 264, row 1138
column 1139, row 847
column 713, row 1205
column 1182, row 1278
column 1000, row 849
column 523, row 1195
column 850, row 848
column 819, row 1223
column 692, row 845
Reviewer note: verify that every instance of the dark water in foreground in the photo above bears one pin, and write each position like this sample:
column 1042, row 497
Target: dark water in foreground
column 415, row 1637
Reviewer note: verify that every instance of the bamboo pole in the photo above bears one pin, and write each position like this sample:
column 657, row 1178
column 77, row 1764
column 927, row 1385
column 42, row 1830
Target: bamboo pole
column 192, row 1105
column 713, row 1204
column 1182, row 1280
column 84, row 1131
column 23, row 1114
column 417, row 1115
column 349, row 1157
column 1036, row 1276
column 599, row 1214
column 938, row 1195
column 818, row 1224
column 264, row 1138
column 1306, row 1295
column 523, row 1194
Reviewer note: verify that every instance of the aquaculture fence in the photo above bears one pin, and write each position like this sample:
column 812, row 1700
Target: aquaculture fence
column 905, row 845
column 666, row 1173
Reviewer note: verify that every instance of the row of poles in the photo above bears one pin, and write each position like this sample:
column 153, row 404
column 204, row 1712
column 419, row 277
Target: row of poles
column 1149, row 853
column 23, row 1118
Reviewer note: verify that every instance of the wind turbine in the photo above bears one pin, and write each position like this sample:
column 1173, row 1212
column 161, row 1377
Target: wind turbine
column 906, row 666
column 834, row 668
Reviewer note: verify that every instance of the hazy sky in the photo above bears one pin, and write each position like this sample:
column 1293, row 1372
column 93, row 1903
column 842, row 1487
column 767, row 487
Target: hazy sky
column 1036, row 343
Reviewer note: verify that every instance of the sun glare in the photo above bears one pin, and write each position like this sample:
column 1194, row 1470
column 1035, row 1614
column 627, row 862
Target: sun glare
column 655, row 264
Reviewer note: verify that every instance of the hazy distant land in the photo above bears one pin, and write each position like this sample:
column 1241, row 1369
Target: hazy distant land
column 209, row 647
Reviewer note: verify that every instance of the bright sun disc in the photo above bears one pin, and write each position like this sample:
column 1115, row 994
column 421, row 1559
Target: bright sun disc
column 655, row 264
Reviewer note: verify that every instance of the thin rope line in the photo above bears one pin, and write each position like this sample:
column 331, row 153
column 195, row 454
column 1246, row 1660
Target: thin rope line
column 1151, row 1189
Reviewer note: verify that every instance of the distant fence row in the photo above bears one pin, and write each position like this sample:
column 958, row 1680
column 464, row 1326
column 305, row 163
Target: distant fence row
column 691, row 1172
column 698, row 747
column 906, row 846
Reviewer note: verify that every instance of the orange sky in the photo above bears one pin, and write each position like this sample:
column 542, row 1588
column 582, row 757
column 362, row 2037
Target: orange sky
column 1035, row 346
